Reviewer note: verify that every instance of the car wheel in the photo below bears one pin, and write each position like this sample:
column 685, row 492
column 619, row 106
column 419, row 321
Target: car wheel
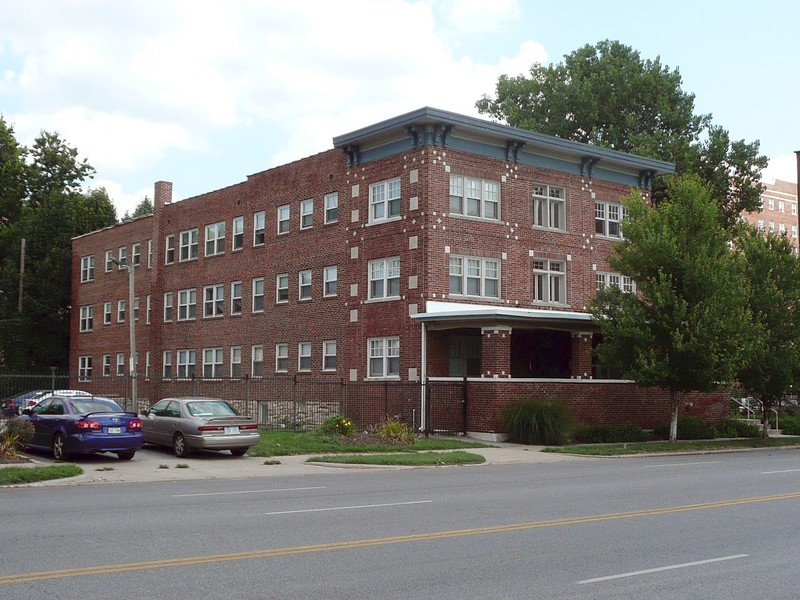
column 57, row 447
column 238, row 451
column 126, row 455
column 180, row 447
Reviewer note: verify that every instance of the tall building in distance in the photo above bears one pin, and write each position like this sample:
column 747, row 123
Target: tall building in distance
column 779, row 212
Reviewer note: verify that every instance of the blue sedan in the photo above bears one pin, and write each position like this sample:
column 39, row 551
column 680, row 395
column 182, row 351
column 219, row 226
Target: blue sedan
column 82, row 425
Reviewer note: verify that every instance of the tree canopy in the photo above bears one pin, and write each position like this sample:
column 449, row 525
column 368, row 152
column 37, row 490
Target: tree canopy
column 144, row 208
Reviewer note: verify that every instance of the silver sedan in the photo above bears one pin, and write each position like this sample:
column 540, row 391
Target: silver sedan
column 188, row 423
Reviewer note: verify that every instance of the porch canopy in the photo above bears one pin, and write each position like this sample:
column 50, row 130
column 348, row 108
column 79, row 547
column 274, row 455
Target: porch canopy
column 452, row 315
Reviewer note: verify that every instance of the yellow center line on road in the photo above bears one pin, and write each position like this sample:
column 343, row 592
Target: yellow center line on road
column 356, row 544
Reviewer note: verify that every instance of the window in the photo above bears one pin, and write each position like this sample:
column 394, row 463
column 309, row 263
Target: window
column 304, row 356
column 148, row 310
column 213, row 300
column 136, row 254
column 87, row 268
column 794, row 231
column 549, row 206
column 549, row 281
column 625, row 283
column 212, row 363
column 384, row 278
column 106, row 313
column 122, row 257
column 329, row 355
column 771, row 203
column 330, row 275
column 384, row 357
column 332, row 207
column 474, row 197
column 147, row 365
column 760, row 225
column 306, row 214
column 168, row 299
column 109, row 260
column 608, row 219
column 149, row 254
column 120, row 363
column 189, row 244
column 186, row 363
column 464, row 356
column 215, row 238
column 782, row 227
column 238, row 233
column 169, row 250
column 283, row 218
column 135, row 309
column 304, row 283
column 384, row 200
column 282, row 288
column 87, row 318
column 781, row 206
column 258, row 294
column 258, row 228
column 84, row 368
column 106, row 365
column 772, row 225
column 236, row 362
column 167, row 364
column 794, row 208
column 236, row 298
column 187, row 305
column 474, row 276
column 257, row 355
column 281, row 358
column 120, row 311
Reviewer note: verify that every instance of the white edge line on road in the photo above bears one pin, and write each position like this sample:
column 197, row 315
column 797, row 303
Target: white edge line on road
column 786, row 471
column 688, row 464
column 308, row 510
column 668, row 568
column 300, row 489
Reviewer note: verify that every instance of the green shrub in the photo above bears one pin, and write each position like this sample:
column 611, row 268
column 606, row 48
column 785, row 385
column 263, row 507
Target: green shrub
column 689, row 428
column 337, row 425
column 790, row 425
column 395, row 431
column 736, row 428
column 15, row 434
column 610, row 434
column 534, row 421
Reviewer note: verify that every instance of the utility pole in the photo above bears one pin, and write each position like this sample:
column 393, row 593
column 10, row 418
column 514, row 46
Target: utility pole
column 131, row 333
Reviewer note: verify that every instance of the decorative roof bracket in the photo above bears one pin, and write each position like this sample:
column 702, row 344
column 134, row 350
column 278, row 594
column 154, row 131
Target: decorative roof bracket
column 646, row 177
column 587, row 166
column 512, row 150
column 440, row 135
column 353, row 155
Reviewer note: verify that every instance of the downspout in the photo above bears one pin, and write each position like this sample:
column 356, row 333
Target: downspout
column 424, row 374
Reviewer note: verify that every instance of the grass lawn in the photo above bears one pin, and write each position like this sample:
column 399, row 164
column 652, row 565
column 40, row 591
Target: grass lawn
column 403, row 459
column 679, row 446
column 13, row 475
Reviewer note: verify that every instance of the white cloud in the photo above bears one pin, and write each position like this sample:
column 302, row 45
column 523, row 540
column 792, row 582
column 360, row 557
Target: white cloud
column 781, row 167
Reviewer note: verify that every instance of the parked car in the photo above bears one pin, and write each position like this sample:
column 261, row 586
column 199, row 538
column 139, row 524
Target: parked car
column 42, row 394
column 12, row 405
column 189, row 423
column 82, row 425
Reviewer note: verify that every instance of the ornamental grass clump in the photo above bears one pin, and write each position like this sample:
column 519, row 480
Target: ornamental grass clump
column 540, row 422
column 14, row 436
column 395, row 431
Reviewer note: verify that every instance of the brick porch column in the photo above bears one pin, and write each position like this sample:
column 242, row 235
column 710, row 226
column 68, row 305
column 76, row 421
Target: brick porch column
column 496, row 352
column 580, row 361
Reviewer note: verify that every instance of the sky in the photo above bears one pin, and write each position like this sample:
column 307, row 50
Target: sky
column 204, row 93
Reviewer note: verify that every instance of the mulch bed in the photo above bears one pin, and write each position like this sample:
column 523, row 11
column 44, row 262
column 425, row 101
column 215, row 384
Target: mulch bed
column 366, row 439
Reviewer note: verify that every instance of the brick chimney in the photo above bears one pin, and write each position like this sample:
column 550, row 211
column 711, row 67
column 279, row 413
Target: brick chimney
column 162, row 194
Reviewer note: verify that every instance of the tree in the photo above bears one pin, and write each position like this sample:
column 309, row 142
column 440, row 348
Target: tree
column 144, row 208
column 684, row 328
column 772, row 275
column 54, row 168
column 608, row 96
column 12, row 166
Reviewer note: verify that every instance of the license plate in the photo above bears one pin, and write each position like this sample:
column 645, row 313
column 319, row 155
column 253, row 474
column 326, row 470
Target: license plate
column 115, row 430
column 231, row 430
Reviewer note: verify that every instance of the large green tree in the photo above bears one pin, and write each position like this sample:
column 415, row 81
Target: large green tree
column 684, row 329
column 608, row 95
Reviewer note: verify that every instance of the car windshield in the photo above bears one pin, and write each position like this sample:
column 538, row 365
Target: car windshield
column 210, row 408
column 87, row 405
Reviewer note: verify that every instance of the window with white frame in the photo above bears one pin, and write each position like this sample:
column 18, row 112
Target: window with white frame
column 87, row 318
column 307, row 214
column 549, row 206
column 258, row 294
column 474, row 276
column 608, row 217
column 781, row 227
column 772, row 225
column 384, row 278
column 106, row 365
column 794, row 231
column 281, row 358
column 149, row 254
column 771, row 202
column 474, row 197
column 794, row 208
column 236, row 362
column 136, row 254
column 329, row 355
column 189, row 244
column 106, row 313
column 304, row 356
column 549, row 281
column 84, row 368
column 284, row 214
column 121, row 311
column 282, row 288
column 147, row 365
column 304, row 285
column 122, row 257
column 166, row 364
column 215, row 238
column 135, row 309
column 236, row 297
column 384, row 200
column 212, row 363
column 623, row 282
column 331, row 207
column 760, row 224
column 330, row 275
column 87, row 268
column 168, row 305
column 781, row 206
column 169, row 249
column 384, row 357
column 187, row 305
column 213, row 301
column 120, row 363
column 258, row 228
column 186, row 364
column 237, row 243
column 148, row 310
column 257, row 361
column 109, row 264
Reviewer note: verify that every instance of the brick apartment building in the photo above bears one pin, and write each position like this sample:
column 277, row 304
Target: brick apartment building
column 429, row 247
column 778, row 211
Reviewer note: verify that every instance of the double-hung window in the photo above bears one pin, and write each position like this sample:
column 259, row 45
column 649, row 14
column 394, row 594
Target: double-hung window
column 106, row 365
column 121, row 306
column 213, row 300
column 109, row 263
column 122, row 257
column 187, row 305
column 329, row 355
column 236, row 298
column 549, row 281
column 186, row 363
column 168, row 305
column 149, row 254
column 106, row 313
column 258, row 228
column 384, row 200
column 475, row 276
column 330, row 276
column 257, row 361
column 282, row 288
column 307, row 214
column 189, row 244
column 608, row 217
column 283, row 218
column 136, row 309
column 87, row 268
column 384, row 357
column 84, row 368
column 136, row 254
column 237, row 243
column 87, row 318
column 549, row 206
column 304, row 284
column 169, row 249
column 212, row 363
column 384, row 278
column 474, row 197
column 258, row 294
column 281, row 358
column 331, row 207
column 120, row 363
column 215, row 238
column 236, row 362
column 304, row 356
column 167, row 364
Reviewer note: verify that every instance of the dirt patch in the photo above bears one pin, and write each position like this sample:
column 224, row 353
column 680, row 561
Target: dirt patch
column 12, row 460
column 367, row 439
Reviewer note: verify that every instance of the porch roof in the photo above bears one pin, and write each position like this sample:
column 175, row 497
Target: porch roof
column 449, row 315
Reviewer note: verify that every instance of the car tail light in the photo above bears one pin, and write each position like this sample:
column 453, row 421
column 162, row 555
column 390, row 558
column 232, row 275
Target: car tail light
column 136, row 424
column 210, row 428
column 87, row 424
column 253, row 426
